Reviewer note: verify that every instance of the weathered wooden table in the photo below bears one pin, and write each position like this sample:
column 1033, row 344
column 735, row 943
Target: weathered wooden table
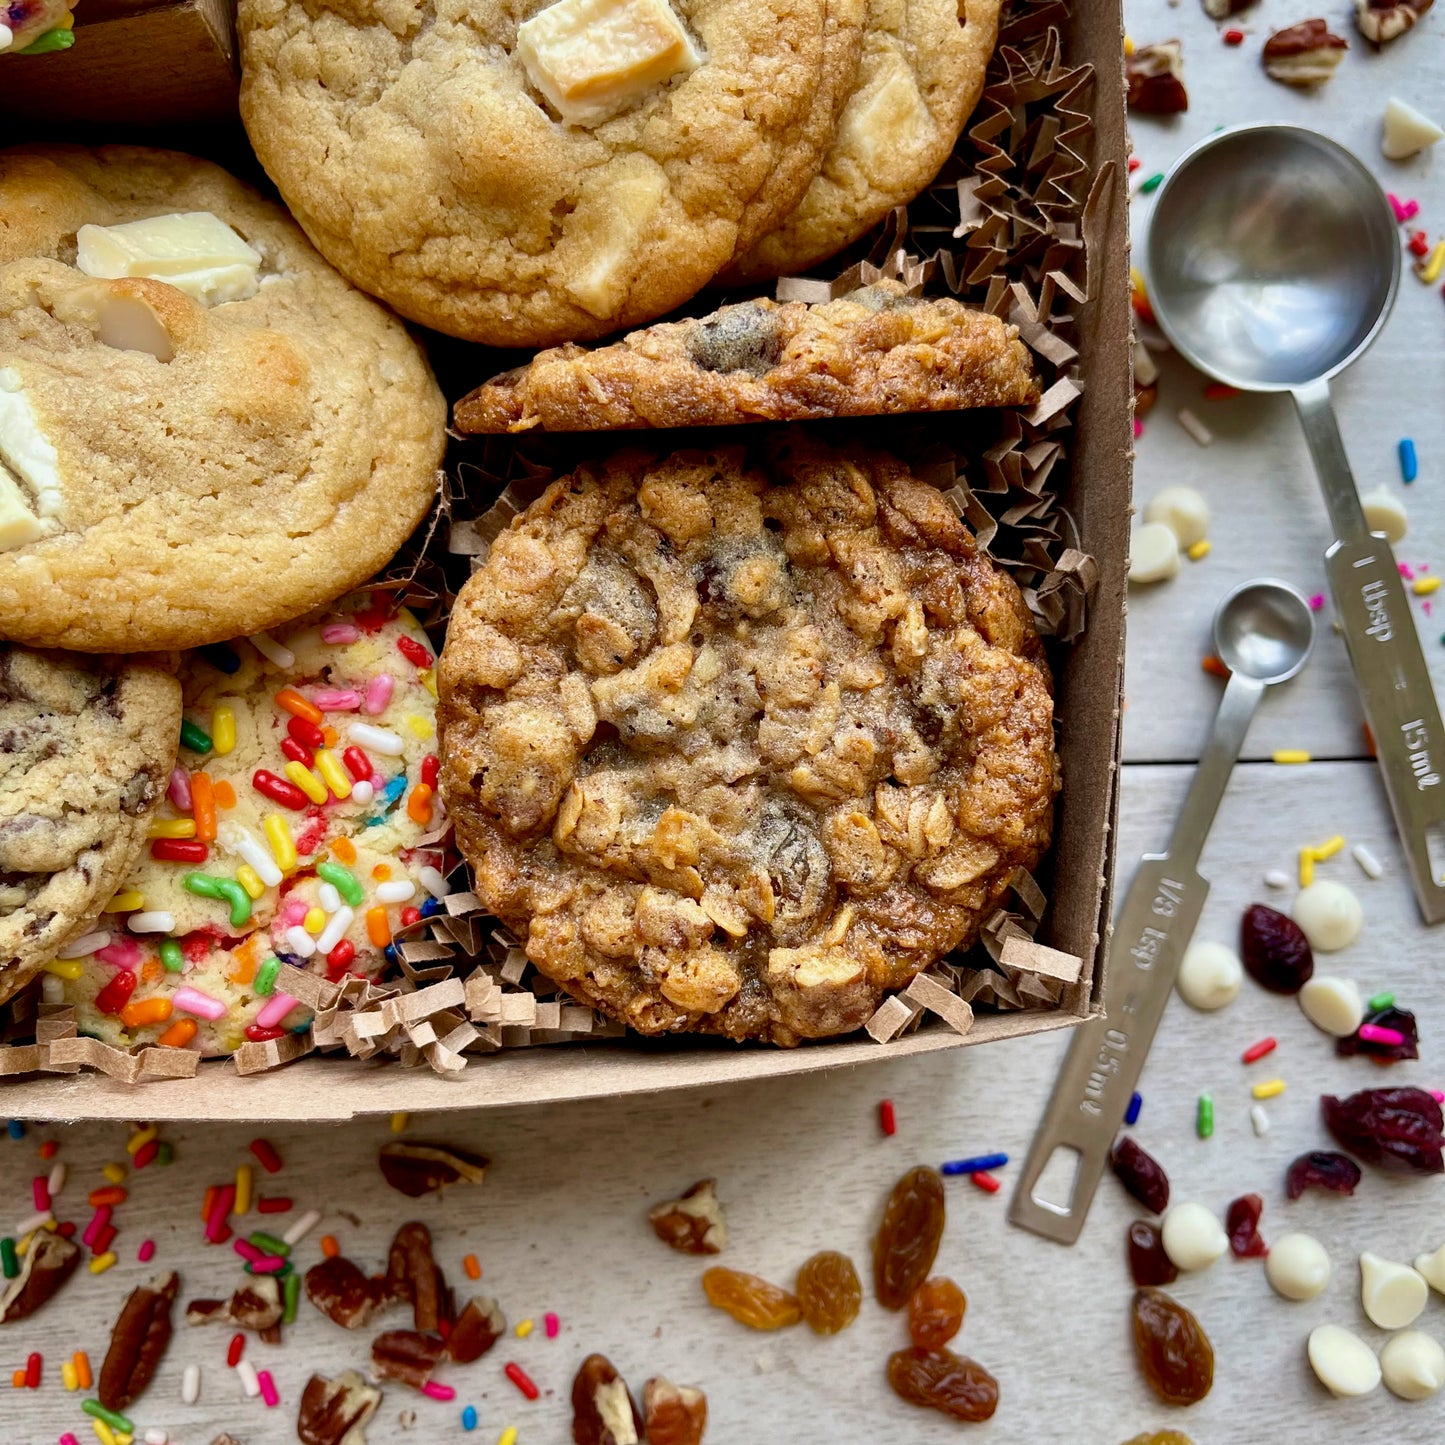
column 559, row 1224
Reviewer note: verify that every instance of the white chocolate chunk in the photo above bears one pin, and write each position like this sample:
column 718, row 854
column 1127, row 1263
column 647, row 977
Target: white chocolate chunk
column 130, row 324
column 592, row 58
column 1432, row 1267
column 1345, row 1364
column 18, row 524
column 1329, row 915
column 1183, row 510
column 1153, row 554
column 195, row 251
column 24, row 447
column 888, row 118
column 1384, row 512
column 1393, row 1294
column 1413, row 1365
column 1407, row 131
column 1210, row 976
column 1332, row 1004
column 7, row 36
column 1297, row 1266
column 612, row 234
column 1192, row 1235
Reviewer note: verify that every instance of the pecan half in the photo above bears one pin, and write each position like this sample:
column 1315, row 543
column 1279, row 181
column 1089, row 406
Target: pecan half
column 48, row 1263
column 335, row 1412
column 417, row 1169
column 1304, row 54
column 693, row 1224
column 1155, row 74
column 343, row 1294
column 407, row 1355
column 256, row 1305
column 602, row 1409
column 479, row 1326
column 413, row 1274
column 1382, row 20
column 673, row 1414
column 138, row 1341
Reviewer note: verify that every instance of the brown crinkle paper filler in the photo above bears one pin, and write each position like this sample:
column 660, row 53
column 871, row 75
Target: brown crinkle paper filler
column 1008, row 227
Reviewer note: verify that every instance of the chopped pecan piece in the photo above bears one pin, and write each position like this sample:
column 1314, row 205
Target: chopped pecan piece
column 673, row 1414
column 335, row 1412
column 1156, row 79
column 479, row 1326
column 256, row 1305
column 1304, row 54
column 693, row 1224
column 407, row 1355
column 1382, row 20
column 417, row 1169
column 344, row 1295
column 48, row 1263
column 138, row 1341
column 413, row 1274
column 602, row 1409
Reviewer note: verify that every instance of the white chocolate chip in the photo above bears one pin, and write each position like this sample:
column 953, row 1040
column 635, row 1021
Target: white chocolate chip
column 1332, row 1004
column 1345, row 1364
column 7, row 36
column 18, row 524
column 1384, row 512
column 1210, row 976
column 1393, row 1294
column 1153, row 554
column 197, row 252
column 1297, row 1266
column 1407, row 131
column 1432, row 1267
column 1329, row 915
column 1192, row 1235
column 1413, row 1365
column 1183, row 510
column 592, row 58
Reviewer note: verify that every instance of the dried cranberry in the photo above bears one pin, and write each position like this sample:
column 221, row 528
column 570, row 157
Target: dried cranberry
column 1399, row 1019
column 1322, row 1169
column 1397, row 1129
column 1147, row 1261
column 1141, row 1174
column 1275, row 951
column 1242, row 1226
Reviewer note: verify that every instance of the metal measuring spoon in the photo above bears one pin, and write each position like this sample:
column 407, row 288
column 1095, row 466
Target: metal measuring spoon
column 1273, row 260
column 1264, row 632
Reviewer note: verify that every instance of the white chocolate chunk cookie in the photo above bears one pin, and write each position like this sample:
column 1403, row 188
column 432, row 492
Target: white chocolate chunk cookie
column 920, row 77
column 85, row 749
column 299, row 829
column 524, row 174
column 737, row 743
column 204, row 430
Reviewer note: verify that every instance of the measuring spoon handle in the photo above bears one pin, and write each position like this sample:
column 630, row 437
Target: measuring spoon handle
column 1384, row 647
column 1154, row 926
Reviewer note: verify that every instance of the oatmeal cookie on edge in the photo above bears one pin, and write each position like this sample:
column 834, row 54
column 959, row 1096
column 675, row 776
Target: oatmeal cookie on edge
column 737, row 745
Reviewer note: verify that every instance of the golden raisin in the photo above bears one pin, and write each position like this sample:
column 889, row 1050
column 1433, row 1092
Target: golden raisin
column 1174, row 1352
column 941, row 1380
column 749, row 1300
column 829, row 1292
column 935, row 1313
column 907, row 1240
column 1161, row 1437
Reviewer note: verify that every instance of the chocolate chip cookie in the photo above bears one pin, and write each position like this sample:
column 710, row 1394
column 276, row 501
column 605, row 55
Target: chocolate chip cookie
column 738, row 743
column 877, row 350
column 920, row 77
column 85, row 750
column 204, row 430
column 522, row 174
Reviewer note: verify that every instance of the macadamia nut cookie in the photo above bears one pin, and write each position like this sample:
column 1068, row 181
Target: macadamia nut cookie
column 204, row 430
column 523, row 174
column 85, row 747
column 737, row 744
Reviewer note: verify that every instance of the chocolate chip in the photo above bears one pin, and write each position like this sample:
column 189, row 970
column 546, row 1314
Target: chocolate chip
column 739, row 338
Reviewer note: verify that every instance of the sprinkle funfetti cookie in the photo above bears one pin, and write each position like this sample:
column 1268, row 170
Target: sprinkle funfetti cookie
column 298, row 830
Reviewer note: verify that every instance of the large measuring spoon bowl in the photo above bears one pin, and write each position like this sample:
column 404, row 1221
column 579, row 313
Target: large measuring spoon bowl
column 1273, row 260
column 1264, row 632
